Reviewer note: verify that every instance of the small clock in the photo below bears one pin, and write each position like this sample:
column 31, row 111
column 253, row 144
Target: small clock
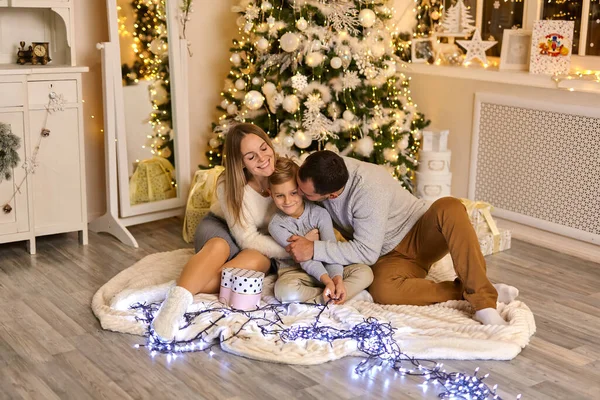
column 40, row 53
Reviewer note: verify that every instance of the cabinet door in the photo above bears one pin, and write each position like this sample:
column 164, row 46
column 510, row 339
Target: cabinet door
column 17, row 220
column 57, row 194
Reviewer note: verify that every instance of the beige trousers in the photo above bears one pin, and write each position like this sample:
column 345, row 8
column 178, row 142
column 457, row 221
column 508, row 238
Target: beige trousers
column 295, row 285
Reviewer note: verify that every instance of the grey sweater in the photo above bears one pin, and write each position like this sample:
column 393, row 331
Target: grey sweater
column 283, row 226
column 373, row 212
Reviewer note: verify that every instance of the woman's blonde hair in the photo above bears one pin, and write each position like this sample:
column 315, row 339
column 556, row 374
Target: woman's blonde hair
column 235, row 176
column 285, row 170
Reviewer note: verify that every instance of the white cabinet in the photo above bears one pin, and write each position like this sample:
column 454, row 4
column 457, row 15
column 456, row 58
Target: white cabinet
column 52, row 200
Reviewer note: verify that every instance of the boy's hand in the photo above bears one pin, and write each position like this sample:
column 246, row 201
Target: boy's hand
column 313, row 235
column 329, row 291
column 340, row 289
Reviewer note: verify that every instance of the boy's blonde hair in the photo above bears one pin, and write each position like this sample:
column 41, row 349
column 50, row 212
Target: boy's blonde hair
column 285, row 171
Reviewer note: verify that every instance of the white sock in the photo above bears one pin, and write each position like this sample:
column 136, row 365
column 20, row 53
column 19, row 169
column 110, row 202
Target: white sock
column 489, row 316
column 169, row 317
column 506, row 293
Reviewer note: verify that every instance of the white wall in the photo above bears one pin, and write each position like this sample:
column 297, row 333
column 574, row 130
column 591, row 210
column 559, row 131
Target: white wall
column 449, row 103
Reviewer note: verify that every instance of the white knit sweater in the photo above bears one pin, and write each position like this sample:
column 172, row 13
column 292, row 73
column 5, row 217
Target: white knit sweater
column 251, row 232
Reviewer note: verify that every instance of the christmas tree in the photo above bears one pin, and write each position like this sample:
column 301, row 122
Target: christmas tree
column 322, row 75
column 151, row 62
column 458, row 20
column 428, row 14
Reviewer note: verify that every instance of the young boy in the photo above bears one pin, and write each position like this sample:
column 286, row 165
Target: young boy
column 297, row 217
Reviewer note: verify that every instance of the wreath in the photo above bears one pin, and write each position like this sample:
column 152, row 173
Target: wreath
column 9, row 158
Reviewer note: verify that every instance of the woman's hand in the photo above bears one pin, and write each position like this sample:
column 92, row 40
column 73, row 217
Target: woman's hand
column 313, row 235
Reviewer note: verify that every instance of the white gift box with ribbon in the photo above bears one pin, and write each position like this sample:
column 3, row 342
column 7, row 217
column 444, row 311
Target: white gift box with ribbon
column 435, row 140
column 491, row 238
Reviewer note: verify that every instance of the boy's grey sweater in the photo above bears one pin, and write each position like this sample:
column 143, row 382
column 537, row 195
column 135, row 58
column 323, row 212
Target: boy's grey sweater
column 373, row 212
column 283, row 226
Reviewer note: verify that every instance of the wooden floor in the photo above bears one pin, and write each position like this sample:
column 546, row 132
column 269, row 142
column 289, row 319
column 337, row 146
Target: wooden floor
column 52, row 346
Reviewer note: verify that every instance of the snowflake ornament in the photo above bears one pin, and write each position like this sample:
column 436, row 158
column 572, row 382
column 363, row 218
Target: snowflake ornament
column 350, row 80
column 252, row 12
column 496, row 4
column 299, row 81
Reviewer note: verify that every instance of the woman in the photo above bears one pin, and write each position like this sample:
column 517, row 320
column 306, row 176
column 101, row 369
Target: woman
column 237, row 241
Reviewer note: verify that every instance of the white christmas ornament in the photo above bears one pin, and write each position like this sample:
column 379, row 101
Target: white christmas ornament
column 332, row 147
column 367, row 18
column 159, row 93
column 262, row 44
column 390, row 155
column 348, row 115
column 299, row 81
column 378, row 50
column 248, row 27
column 240, row 84
column 364, row 146
column 335, row 62
column 301, row 24
column 390, row 69
column 254, row 100
column 269, row 88
column 158, row 47
column 476, row 47
column 224, row 104
column 257, row 80
column 402, row 143
column 314, row 59
column 266, row 6
column 214, row 143
column 291, row 103
column 288, row 141
column 302, row 140
column 289, row 42
column 231, row 109
column 235, row 59
column 304, row 156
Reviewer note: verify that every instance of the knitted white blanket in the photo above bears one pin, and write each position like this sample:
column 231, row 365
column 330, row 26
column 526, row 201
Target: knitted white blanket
column 441, row 331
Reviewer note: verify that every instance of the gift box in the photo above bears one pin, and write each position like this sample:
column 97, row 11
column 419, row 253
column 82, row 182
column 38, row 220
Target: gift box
column 434, row 162
column 431, row 187
column 491, row 243
column 241, row 288
column 480, row 214
column 435, row 140
column 201, row 196
column 152, row 181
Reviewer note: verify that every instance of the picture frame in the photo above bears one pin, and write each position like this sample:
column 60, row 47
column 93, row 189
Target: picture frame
column 516, row 48
column 422, row 51
column 551, row 47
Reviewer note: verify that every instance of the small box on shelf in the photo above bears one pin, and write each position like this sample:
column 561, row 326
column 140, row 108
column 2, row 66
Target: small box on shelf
column 435, row 140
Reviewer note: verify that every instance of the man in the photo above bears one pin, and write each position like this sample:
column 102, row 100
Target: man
column 398, row 234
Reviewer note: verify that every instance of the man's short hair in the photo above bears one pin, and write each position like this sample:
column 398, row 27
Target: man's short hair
column 326, row 170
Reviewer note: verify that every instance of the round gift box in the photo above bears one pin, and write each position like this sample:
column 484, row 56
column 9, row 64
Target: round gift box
column 246, row 290
column 434, row 162
column 433, row 186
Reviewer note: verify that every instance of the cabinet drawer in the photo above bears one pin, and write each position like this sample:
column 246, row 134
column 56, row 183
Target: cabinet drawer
column 12, row 94
column 39, row 91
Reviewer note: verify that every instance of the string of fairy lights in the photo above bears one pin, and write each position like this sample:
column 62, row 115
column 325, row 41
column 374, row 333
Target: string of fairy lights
column 372, row 337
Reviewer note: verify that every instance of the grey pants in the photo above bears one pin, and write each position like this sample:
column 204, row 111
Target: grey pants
column 210, row 227
column 295, row 285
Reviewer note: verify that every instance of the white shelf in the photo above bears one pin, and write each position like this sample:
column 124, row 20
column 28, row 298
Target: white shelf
column 12, row 69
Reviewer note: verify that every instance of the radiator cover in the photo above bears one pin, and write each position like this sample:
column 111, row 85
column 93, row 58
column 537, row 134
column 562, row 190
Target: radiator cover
column 538, row 164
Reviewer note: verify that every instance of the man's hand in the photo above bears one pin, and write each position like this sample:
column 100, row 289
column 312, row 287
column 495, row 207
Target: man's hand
column 340, row 289
column 329, row 291
column 300, row 248
column 313, row 235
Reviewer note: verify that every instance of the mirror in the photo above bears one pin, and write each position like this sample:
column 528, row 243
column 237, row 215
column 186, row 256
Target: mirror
column 145, row 75
column 144, row 69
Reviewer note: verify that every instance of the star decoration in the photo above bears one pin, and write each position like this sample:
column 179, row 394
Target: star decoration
column 476, row 47
column 497, row 4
